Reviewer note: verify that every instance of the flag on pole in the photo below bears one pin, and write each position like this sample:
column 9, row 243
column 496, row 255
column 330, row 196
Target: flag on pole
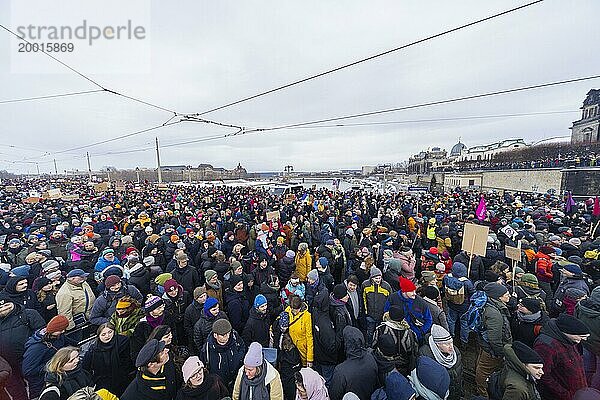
column 570, row 203
column 596, row 211
column 481, row 211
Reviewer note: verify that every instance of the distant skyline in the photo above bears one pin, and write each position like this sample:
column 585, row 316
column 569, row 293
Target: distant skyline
column 205, row 54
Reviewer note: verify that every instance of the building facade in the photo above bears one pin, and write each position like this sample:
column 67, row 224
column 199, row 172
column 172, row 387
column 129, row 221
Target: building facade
column 486, row 152
column 427, row 161
column 587, row 130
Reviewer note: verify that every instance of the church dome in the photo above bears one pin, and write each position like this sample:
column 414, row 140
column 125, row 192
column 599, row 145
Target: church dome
column 457, row 149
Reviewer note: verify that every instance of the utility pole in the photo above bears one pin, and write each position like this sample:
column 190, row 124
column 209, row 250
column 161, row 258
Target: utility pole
column 55, row 169
column 89, row 166
column 158, row 162
column 189, row 168
column 38, row 168
column 137, row 173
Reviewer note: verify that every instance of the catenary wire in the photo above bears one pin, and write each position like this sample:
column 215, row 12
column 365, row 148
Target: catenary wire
column 341, row 67
column 51, row 96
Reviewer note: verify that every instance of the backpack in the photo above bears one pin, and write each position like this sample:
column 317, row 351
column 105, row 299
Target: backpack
column 455, row 290
column 543, row 269
column 474, row 315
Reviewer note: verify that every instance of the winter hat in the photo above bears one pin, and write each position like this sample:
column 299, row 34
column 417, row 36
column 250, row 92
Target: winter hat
column 170, row 284
column 575, row 260
column 491, row 276
column 329, row 242
column 41, row 282
column 350, row 232
column 519, row 270
column 547, row 250
column 290, row 254
column 190, row 367
column 234, row 280
column 50, row 265
column 254, row 356
column 57, row 324
column 259, row 300
column 375, row 272
column 174, row 238
column 576, row 242
column 123, row 303
column 152, row 303
column 284, row 320
column 532, row 304
column 495, row 290
column 573, row 268
column 209, row 274
column 313, row 275
column 397, row 387
column 571, row 325
column 22, row 271
column 199, row 291
column 77, row 273
column 406, row 285
column 396, row 313
column 107, row 251
column 221, row 327
column 575, row 293
column 111, row 281
column 526, row 354
column 440, row 334
column 428, row 276
column 431, row 292
column 280, row 240
column 148, row 352
column 440, row 267
column 210, row 302
column 130, row 250
column 433, row 250
column 431, row 375
column 323, row 261
column 388, row 253
column 387, row 345
column 340, row 291
column 529, row 280
column 162, row 278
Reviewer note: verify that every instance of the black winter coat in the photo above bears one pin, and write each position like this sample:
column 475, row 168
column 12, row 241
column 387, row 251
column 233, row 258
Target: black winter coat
column 257, row 328
column 203, row 327
column 187, row 277
column 110, row 364
column 224, row 361
column 15, row 329
column 238, row 308
column 285, row 267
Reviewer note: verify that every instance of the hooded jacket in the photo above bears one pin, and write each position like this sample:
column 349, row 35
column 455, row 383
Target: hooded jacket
column 515, row 380
column 257, row 328
column 72, row 299
column 326, row 343
column 105, row 305
column 224, row 360
column 303, row 264
column 301, row 333
column 27, row 298
column 405, row 340
column 496, row 328
column 563, row 365
column 358, row 374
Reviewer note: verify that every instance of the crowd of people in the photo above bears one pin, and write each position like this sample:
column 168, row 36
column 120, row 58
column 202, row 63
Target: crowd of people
column 189, row 293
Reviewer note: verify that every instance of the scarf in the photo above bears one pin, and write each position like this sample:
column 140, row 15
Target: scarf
column 446, row 360
column 155, row 321
column 106, row 359
column 255, row 389
column 69, row 382
column 529, row 317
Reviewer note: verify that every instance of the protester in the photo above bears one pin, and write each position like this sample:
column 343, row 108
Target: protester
column 257, row 379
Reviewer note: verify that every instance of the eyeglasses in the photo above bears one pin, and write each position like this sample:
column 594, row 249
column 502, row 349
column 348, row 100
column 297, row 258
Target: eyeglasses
column 173, row 289
column 198, row 374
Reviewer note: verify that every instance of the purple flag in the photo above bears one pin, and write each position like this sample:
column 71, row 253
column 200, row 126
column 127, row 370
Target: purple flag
column 569, row 203
column 481, row 211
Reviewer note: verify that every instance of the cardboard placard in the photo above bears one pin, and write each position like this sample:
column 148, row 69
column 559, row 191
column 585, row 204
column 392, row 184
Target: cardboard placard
column 70, row 197
column 513, row 253
column 475, row 239
column 11, row 188
column 120, row 188
column 163, row 187
column 52, row 194
column 273, row 215
column 31, row 200
column 101, row 187
column 106, row 209
column 509, row 231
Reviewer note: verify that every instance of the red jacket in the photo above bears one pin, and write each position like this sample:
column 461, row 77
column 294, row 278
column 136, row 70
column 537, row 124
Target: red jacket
column 563, row 365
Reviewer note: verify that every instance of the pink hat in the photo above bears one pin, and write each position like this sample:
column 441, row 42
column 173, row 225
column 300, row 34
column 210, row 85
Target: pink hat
column 190, row 367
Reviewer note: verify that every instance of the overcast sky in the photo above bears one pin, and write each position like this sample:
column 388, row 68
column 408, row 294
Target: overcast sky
column 201, row 54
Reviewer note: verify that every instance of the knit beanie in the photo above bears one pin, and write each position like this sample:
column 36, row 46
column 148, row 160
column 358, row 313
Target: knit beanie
column 388, row 253
column 396, row 313
column 529, row 280
column 440, row 334
column 428, row 276
column 491, row 276
column 431, row 292
column 152, row 303
column 313, row 275
column 433, row 376
column 170, row 284
column 57, row 324
column 290, row 254
column 406, row 285
column 340, row 291
column 323, row 261
column 284, row 320
column 495, row 290
column 574, row 269
column 375, row 272
column 254, row 356
column 210, row 302
column 532, row 304
column 571, row 325
column 107, row 251
column 526, row 354
column 162, row 278
column 209, row 274
column 124, row 303
column 111, row 281
column 190, row 367
column 259, row 300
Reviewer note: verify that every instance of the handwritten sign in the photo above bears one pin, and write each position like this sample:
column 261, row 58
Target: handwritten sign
column 475, row 239
column 273, row 215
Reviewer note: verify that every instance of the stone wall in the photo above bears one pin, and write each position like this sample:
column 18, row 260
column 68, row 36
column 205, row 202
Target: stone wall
column 523, row 180
column 582, row 181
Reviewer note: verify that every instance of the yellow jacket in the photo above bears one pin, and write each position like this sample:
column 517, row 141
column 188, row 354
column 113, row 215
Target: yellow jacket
column 301, row 333
column 303, row 265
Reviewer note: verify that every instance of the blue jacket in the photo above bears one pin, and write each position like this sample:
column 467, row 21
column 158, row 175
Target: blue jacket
column 416, row 313
column 105, row 305
column 103, row 263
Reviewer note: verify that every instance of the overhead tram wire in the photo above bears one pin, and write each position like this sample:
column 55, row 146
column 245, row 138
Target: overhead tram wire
column 51, row 96
column 354, row 63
